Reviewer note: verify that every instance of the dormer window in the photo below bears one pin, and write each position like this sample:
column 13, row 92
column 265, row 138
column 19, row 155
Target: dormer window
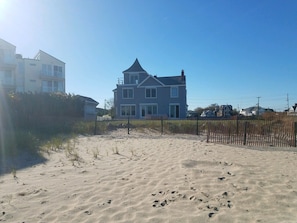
column 134, row 79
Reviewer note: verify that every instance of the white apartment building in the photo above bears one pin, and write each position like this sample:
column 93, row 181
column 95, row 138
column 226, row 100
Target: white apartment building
column 43, row 73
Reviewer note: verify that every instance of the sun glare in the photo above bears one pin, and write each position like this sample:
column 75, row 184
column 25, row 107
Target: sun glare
column 3, row 8
column 6, row 129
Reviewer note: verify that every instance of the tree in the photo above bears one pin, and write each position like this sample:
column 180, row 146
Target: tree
column 212, row 107
column 199, row 110
column 110, row 107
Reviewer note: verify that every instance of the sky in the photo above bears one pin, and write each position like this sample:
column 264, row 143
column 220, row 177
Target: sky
column 234, row 52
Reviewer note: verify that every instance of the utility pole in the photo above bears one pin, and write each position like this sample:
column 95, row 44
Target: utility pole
column 258, row 106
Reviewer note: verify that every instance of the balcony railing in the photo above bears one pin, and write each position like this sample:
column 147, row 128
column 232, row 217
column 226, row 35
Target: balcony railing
column 57, row 76
column 7, row 63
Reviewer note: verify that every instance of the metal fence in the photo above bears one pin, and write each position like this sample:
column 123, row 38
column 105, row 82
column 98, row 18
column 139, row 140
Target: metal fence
column 253, row 133
column 278, row 133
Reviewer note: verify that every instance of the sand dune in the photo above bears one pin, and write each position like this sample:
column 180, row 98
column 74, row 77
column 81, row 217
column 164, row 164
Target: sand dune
column 148, row 177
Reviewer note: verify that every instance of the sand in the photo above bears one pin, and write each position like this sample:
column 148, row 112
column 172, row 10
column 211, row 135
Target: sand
column 153, row 178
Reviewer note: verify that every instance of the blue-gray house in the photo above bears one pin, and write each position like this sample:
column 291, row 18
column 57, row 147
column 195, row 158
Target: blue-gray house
column 144, row 96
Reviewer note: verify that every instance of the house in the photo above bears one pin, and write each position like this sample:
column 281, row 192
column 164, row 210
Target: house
column 292, row 110
column 254, row 110
column 144, row 96
column 43, row 73
column 90, row 111
column 225, row 111
column 208, row 114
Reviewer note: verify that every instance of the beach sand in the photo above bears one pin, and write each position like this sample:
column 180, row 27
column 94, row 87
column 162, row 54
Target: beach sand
column 148, row 177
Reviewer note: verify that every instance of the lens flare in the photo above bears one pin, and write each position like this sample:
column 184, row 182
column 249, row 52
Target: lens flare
column 3, row 8
column 7, row 138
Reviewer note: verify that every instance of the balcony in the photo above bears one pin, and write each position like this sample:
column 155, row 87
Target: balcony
column 7, row 84
column 56, row 76
column 6, row 63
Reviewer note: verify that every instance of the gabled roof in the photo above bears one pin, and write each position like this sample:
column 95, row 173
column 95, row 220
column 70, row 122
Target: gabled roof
column 152, row 79
column 88, row 99
column 136, row 67
column 5, row 42
column 37, row 57
column 174, row 80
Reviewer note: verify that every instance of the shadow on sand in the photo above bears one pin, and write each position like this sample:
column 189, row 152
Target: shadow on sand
column 20, row 161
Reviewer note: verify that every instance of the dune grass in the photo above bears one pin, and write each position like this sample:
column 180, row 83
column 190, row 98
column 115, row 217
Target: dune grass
column 44, row 138
column 165, row 126
column 52, row 135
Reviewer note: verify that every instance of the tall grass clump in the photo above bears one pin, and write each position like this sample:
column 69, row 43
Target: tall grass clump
column 83, row 127
column 19, row 141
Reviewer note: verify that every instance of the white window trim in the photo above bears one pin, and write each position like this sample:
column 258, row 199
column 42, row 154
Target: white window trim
column 150, row 88
column 175, row 104
column 177, row 93
column 127, row 105
column 128, row 89
column 148, row 104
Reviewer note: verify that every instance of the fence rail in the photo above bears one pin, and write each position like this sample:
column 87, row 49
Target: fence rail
column 253, row 133
column 276, row 133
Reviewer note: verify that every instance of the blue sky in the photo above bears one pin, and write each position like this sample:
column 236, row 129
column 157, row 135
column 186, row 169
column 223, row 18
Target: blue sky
column 232, row 51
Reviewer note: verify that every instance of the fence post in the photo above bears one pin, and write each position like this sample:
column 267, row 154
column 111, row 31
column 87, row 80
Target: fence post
column 161, row 125
column 295, row 133
column 244, row 138
column 208, row 132
column 229, row 133
column 128, row 125
column 237, row 125
column 197, row 130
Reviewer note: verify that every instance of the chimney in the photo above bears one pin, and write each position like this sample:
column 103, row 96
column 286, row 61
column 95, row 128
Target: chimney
column 183, row 75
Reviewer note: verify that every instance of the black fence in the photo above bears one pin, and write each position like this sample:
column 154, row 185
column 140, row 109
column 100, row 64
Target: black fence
column 278, row 133
column 253, row 133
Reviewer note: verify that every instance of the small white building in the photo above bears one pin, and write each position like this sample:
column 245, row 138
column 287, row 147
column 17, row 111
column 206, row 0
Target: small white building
column 208, row 114
column 253, row 111
column 90, row 112
column 292, row 110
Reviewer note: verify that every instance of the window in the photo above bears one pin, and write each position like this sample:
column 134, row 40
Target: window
column 58, row 86
column 44, row 69
column 128, row 110
column 58, row 71
column 61, row 86
column 47, row 69
column 133, row 79
column 174, row 111
column 174, row 92
column 149, row 110
column 6, row 77
column 55, row 86
column 46, row 86
column 150, row 92
column 128, row 93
